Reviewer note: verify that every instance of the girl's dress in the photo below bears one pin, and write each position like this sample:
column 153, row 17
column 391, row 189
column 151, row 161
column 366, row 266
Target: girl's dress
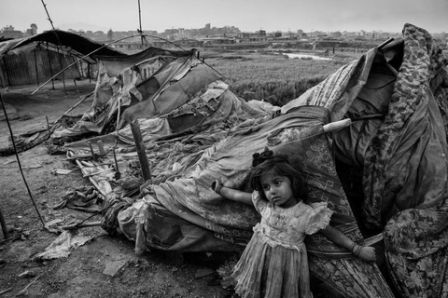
column 275, row 263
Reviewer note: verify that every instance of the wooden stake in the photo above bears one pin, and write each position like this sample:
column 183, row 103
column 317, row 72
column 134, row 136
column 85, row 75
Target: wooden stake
column 91, row 150
column 3, row 224
column 101, row 147
column 140, row 146
column 48, row 122
column 117, row 169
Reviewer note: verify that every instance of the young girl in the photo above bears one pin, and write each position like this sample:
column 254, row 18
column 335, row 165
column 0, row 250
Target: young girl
column 275, row 263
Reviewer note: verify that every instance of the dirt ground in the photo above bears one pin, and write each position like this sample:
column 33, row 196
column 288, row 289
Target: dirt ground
column 103, row 267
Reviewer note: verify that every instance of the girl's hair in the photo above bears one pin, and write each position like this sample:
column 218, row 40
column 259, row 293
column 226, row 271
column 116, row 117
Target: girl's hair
column 279, row 165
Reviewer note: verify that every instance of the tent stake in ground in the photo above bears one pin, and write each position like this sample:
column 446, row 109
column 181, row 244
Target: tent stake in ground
column 3, row 224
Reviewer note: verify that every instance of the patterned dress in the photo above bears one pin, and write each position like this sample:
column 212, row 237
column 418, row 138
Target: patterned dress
column 275, row 263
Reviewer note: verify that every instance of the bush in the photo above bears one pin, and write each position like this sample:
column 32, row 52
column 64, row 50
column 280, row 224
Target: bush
column 271, row 76
column 275, row 92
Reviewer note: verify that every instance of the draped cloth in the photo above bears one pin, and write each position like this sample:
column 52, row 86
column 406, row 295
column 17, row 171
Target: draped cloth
column 406, row 171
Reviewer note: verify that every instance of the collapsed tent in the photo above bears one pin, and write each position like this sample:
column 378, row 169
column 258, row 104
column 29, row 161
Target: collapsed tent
column 124, row 82
column 197, row 131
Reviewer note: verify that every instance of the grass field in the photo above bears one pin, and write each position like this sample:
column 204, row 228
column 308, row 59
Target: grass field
column 271, row 76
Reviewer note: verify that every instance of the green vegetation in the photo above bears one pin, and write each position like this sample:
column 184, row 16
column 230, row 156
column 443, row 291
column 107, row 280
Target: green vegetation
column 271, row 76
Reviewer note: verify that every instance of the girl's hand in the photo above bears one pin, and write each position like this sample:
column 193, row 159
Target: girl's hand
column 216, row 186
column 366, row 253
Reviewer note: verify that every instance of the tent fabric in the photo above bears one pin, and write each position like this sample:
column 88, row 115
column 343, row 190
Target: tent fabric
column 410, row 141
column 367, row 112
column 413, row 141
column 298, row 134
column 35, row 59
column 35, row 63
column 167, row 231
column 338, row 90
column 122, row 97
column 120, row 62
column 58, row 37
column 400, row 146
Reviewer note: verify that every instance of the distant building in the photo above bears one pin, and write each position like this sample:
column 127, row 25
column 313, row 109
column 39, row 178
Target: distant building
column 217, row 41
column 32, row 30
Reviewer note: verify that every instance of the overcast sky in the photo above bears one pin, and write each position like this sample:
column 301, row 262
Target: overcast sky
column 248, row 15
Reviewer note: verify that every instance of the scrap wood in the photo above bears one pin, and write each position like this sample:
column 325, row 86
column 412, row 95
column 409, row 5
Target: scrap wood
column 24, row 291
column 5, row 291
column 61, row 171
column 52, row 226
column 82, row 225
column 27, row 273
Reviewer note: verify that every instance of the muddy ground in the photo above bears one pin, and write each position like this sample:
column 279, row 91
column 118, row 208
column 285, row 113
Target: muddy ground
column 104, row 267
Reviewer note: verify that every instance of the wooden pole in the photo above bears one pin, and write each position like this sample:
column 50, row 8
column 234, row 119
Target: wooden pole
column 36, row 69
column 117, row 169
column 49, row 64
column 140, row 146
column 140, row 22
column 48, row 122
column 91, row 150
column 57, row 45
column 3, row 224
column 6, row 70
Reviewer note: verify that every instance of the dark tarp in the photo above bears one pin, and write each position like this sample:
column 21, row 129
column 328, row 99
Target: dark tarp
column 77, row 42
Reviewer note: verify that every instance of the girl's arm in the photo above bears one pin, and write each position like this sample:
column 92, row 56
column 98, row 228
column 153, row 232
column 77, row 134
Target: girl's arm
column 364, row 252
column 232, row 194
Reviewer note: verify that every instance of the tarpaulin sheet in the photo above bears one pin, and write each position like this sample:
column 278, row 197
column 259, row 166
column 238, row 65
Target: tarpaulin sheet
column 298, row 134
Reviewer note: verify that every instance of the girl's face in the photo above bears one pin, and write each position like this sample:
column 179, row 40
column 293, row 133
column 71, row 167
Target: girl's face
column 277, row 189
